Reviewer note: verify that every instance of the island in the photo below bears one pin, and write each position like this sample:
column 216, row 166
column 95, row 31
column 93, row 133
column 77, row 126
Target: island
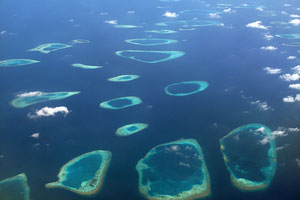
column 249, row 154
column 174, row 171
column 186, row 88
column 50, row 47
column 15, row 188
column 121, row 102
column 150, row 57
column 26, row 99
column 16, row 62
column 123, row 78
column 84, row 175
column 130, row 129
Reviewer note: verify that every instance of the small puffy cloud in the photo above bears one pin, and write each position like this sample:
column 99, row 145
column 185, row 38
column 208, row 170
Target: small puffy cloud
column 284, row 13
column 228, row 10
column 47, row 112
column 114, row 22
column 294, row 16
column 257, row 24
column 296, row 69
column 287, row 5
column 291, row 99
column 214, row 15
column 184, row 164
column 270, row 70
column 131, row 12
column 290, row 77
column 260, row 8
column 170, row 14
column 291, row 58
column 295, row 22
column 3, row 32
column 30, row 94
column 295, row 86
column 262, row 105
column 294, row 129
column 280, row 132
column 298, row 162
column 269, row 37
column 269, row 48
column 35, row 135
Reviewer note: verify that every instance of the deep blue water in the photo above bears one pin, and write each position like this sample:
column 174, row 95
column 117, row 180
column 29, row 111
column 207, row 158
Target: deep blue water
column 228, row 58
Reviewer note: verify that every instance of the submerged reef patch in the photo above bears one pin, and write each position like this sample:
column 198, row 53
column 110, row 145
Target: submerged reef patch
column 174, row 171
column 50, row 47
column 130, row 129
column 289, row 36
column 86, row 66
column 150, row 41
column 249, row 154
column 15, row 188
column 84, row 174
column 30, row 98
column 151, row 57
column 17, row 62
column 123, row 78
column 165, row 31
column 121, row 102
column 80, row 41
column 186, row 88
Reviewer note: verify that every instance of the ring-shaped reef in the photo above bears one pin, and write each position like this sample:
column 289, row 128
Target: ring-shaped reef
column 15, row 188
column 289, row 36
column 186, row 88
column 165, row 31
column 80, row 41
column 50, row 47
column 123, row 78
column 150, row 41
column 121, row 102
column 151, row 57
column 174, row 171
column 17, row 62
column 249, row 154
column 130, row 129
column 27, row 99
column 84, row 174
column 198, row 12
column 295, row 44
column 127, row 26
column 189, row 23
column 86, row 66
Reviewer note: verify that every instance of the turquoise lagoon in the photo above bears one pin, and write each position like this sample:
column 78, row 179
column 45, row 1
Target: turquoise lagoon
column 186, row 88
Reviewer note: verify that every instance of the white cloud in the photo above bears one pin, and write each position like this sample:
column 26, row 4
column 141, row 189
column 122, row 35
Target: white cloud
column 170, row 14
column 270, row 70
column 287, row 5
column 296, row 69
column 283, row 12
column 260, row 9
column 257, row 24
column 295, row 16
column 291, row 58
column 278, row 133
column 269, row 48
column 131, row 12
column 295, row 22
column 290, row 77
column 298, row 162
column 35, row 135
column 228, row 10
column 30, row 94
column 262, row 105
column 214, row 15
column 3, row 32
column 269, row 37
column 291, row 99
column 47, row 112
column 294, row 129
column 295, row 86
column 114, row 22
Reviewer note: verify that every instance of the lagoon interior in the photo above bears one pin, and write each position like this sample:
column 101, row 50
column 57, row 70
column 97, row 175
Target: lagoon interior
column 228, row 57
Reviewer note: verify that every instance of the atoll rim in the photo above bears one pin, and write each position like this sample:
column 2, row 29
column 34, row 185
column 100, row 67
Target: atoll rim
column 121, row 102
column 130, row 129
column 86, row 66
column 80, row 41
column 165, row 31
column 198, row 12
column 186, row 88
column 150, row 41
column 249, row 154
column 295, row 44
column 50, row 47
column 17, row 62
column 15, row 188
column 124, row 78
column 30, row 98
column 174, row 171
column 190, row 23
column 289, row 36
column 84, row 174
column 151, row 57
